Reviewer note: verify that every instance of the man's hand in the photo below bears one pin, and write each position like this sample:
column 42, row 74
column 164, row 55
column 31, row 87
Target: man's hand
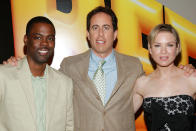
column 189, row 69
column 12, row 61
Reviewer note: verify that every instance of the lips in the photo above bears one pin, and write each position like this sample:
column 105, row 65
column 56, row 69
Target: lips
column 164, row 58
column 100, row 42
column 43, row 51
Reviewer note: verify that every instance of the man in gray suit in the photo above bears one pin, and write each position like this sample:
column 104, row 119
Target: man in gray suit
column 113, row 112
column 34, row 96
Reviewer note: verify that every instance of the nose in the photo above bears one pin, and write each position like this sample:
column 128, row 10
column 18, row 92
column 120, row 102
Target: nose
column 101, row 32
column 44, row 41
column 163, row 50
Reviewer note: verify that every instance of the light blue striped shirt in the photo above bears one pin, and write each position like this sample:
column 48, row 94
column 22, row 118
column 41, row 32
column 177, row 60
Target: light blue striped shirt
column 110, row 71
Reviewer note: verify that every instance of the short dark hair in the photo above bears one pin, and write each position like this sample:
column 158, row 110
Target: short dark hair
column 37, row 19
column 106, row 10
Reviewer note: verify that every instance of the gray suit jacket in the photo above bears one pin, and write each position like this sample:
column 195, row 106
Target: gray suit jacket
column 17, row 105
column 89, row 113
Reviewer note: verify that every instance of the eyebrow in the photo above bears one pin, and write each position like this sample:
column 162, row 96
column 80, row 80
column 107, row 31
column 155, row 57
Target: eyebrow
column 42, row 35
column 94, row 25
column 106, row 25
column 167, row 42
column 36, row 34
column 102, row 25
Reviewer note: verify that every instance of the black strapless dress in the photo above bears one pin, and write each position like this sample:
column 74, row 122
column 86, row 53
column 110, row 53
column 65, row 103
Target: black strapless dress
column 173, row 113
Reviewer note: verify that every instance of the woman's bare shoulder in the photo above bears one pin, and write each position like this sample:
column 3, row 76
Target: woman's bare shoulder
column 142, row 81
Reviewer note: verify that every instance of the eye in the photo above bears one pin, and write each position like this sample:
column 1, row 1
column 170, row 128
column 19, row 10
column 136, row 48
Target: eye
column 37, row 37
column 95, row 27
column 171, row 44
column 156, row 45
column 51, row 38
column 106, row 27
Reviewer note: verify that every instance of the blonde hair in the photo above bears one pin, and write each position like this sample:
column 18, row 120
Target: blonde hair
column 165, row 28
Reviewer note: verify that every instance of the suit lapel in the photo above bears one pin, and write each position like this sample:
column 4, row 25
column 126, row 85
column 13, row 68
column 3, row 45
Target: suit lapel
column 85, row 79
column 52, row 91
column 24, row 76
column 120, row 75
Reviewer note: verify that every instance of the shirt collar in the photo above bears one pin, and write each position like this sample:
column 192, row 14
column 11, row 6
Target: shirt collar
column 41, row 77
column 109, row 59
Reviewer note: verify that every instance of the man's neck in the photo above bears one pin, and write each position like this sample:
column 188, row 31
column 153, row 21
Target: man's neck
column 101, row 55
column 36, row 69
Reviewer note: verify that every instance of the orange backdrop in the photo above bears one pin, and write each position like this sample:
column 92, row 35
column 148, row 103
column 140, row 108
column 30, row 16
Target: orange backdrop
column 135, row 17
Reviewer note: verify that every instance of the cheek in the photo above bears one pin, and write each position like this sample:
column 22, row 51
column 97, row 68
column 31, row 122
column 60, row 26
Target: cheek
column 155, row 54
column 51, row 44
column 32, row 46
column 172, row 51
column 110, row 36
column 93, row 35
column 155, row 51
column 91, row 38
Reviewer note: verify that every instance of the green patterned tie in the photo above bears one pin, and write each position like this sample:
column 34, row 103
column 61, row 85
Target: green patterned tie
column 99, row 81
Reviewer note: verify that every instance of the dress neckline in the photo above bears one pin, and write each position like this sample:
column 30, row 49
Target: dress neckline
column 156, row 97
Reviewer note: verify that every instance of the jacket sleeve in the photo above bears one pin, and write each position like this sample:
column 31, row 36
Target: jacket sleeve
column 63, row 67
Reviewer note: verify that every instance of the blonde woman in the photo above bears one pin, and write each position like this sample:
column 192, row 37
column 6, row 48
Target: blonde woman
column 167, row 94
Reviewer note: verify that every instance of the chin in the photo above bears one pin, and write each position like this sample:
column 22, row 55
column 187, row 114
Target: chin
column 165, row 64
column 43, row 61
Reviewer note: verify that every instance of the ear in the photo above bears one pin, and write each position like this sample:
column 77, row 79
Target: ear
column 115, row 34
column 87, row 35
column 178, row 49
column 25, row 39
column 149, row 48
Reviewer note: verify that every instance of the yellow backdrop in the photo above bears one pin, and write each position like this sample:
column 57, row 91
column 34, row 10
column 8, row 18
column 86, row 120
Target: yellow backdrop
column 135, row 17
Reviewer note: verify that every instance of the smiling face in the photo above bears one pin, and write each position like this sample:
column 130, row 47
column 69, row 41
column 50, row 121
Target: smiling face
column 101, row 34
column 164, row 49
column 40, row 43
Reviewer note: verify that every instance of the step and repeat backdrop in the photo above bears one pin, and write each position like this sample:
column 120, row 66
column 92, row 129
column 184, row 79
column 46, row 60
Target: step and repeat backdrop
column 136, row 19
